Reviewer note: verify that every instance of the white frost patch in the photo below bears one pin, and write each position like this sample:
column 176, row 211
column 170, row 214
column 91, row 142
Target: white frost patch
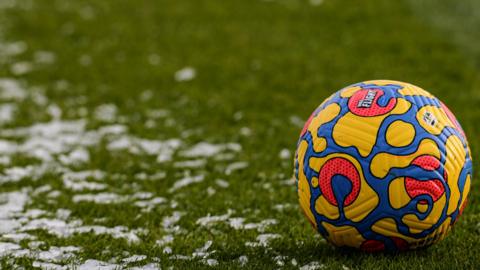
column 280, row 260
column 7, row 112
column 148, row 205
column 211, row 262
column 163, row 149
column 15, row 174
column 210, row 220
column 188, row 180
column 150, row 266
column 285, row 154
column 246, row 131
column 243, row 260
column 312, row 266
column 203, row 251
column 180, row 257
column 6, row 249
column 134, row 258
column 169, row 222
column 46, row 258
column 282, row 207
column 97, row 265
column 222, row 183
column 167, row 239
column 197, row 163
column 48, row 266
column 58, row 254
column 235, row 167
column 21, row 68
column 262, row 226
column 11, row 90
column 18, row 237
column 204, row 149
column 77, row 156
column 185, row 74
column 237, row 223
column 11, row 204
column 13, row 48
column 77, row 181
column 100, row 198
column 263, row 240
column 65, row 229
column 106, row 113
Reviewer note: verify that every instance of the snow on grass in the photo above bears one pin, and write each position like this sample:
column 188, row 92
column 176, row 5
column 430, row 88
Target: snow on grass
column 169, row 223
column 134, row 258
column 149, row 205
column 21, row 68
column 166, row 239
column 64, row 229
column 243, row 260
column 64, row 149
column 202, row 252
column 11, row 204
column 263, row 240
column 222, row 183
column 235, row 167
column 312, row 266
column 7, row 112
column 98, row 265
column 237, row 223
column 13, row 48
column 11, row 89
column 185, row 74
column 48, row 266
column 205, row 149
column 100, row 198
column 211, row 220
column 197, row 163
column 186, row 181
column 285, row 154
column 77, row 156
column 77, row 181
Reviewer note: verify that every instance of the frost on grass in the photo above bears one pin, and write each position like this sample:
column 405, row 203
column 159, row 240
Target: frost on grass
column 312, row 266
column 263, row 240
column 188, row 180
column 237, row 223
column 205, row 149
column 67, row 163
column 185, row 74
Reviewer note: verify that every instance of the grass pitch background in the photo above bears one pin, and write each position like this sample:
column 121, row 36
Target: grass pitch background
column 260, row 68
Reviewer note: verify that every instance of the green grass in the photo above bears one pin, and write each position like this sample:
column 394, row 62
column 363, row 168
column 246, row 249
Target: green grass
column 269, row 60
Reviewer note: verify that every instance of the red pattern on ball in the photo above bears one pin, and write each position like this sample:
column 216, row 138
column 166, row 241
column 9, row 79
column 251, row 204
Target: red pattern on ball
column 339, row 166
column 372, row 246
column 374, row 109
column 426, row 162
column 433, row 188
column 400, row 243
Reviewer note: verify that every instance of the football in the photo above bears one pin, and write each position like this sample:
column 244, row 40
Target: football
column 383, row 166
